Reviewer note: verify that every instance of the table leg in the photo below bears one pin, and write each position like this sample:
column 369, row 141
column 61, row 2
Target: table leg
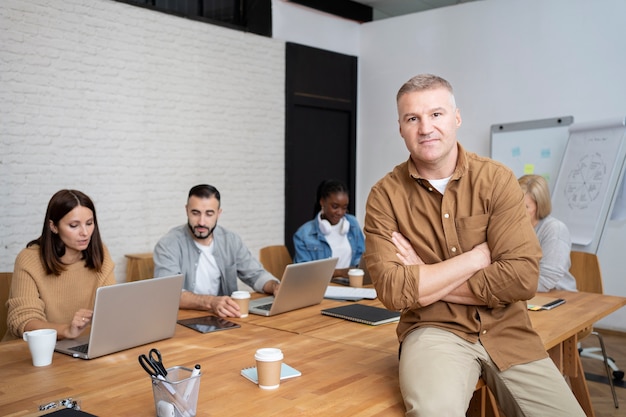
column 567, row 359
column 580, row 388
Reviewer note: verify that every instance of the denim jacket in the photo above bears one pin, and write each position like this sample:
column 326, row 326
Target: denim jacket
column 310, row 243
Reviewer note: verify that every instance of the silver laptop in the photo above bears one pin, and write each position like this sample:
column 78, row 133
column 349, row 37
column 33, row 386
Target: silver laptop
column 303, row 284
column 127, row 315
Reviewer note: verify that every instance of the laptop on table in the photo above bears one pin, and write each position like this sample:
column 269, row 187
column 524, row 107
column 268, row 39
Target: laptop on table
column 127, row 315
column 302, row 285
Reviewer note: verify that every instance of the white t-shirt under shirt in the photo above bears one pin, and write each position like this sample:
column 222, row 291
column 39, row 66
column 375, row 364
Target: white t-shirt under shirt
column 340, row 246
column 207, row 274
column 440, row 185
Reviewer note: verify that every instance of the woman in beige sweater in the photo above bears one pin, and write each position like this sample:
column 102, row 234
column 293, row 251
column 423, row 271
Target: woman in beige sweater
column 56, row 276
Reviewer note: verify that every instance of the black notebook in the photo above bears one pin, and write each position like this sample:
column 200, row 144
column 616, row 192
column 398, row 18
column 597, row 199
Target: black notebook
column 363, row 314
column 69, row 412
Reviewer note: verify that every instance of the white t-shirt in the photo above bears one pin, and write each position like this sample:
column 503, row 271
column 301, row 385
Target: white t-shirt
column 340, row 246
column 207, row 274
column 440, row 185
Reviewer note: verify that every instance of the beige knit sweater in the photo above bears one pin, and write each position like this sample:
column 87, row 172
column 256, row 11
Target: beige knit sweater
column 37, row 295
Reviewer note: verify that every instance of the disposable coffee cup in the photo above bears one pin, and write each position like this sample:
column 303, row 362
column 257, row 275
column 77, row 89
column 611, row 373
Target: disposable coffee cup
column 41, row 345
column 356, row 277
column 268, row 364
column 242, row 298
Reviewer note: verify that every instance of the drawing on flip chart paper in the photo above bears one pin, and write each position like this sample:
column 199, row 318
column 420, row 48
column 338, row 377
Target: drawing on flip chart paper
column 584, row 181
column 588, row 179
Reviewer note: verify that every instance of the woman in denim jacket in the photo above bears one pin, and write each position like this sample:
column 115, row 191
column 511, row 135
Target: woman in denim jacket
column 333, row 232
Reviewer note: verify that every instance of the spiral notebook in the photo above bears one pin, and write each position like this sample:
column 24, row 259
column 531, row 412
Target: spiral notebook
column 363, row 314
column 286, row 372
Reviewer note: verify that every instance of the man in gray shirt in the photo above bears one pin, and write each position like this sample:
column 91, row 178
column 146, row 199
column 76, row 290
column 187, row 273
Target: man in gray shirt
column 210, row 257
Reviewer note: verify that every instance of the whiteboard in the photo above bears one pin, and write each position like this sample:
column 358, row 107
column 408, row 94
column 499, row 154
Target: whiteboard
column 588, row 181
column 532, row 147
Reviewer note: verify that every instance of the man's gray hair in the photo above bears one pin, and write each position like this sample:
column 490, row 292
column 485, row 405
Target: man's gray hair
column 425, row 82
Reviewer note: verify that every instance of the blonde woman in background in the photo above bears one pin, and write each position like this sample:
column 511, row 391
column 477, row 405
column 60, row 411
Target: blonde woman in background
column 553, row 235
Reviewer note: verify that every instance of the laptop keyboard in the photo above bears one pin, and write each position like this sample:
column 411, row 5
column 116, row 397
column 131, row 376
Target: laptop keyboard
column 81, row 348
column 265, row 307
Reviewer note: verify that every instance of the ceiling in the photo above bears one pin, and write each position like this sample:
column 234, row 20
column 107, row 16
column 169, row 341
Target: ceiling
column 391, row 8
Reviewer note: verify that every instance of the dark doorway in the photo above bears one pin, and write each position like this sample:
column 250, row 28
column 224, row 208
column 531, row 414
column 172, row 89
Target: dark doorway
column 320, row 132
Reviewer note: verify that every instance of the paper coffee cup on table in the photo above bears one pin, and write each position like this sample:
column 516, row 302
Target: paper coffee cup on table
column 41, row 345
column 242, row 298
column 268, row 364
column 356, row 277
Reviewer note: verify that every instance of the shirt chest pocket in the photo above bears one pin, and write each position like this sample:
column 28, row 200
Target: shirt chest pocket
column 472, row 230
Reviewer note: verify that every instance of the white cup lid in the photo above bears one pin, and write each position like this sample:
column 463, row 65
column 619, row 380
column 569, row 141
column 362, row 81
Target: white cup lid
column 356, row 271
column 240, row 294
column 268, row 354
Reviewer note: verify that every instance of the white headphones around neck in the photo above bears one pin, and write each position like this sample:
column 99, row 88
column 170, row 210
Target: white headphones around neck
column 326, row 227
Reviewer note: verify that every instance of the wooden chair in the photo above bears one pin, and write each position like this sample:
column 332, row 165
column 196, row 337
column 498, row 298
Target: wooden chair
column 586, row 269
column 483, row 403
column 5, row 286
column 139, row 266
column 275, row 259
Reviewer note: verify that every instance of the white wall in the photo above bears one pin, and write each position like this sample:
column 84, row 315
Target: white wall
column 508, row 60
column 295, row 23
column 134, row 107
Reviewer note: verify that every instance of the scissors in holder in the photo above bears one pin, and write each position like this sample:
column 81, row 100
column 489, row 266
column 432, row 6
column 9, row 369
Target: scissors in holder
column 153, row 363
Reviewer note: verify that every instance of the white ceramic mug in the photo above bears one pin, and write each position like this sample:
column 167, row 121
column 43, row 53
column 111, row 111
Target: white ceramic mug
column 41, row 345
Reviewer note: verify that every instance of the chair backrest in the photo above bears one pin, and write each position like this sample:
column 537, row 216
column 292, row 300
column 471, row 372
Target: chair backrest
column 275, row 259
column 5, row 286
column 586, row 269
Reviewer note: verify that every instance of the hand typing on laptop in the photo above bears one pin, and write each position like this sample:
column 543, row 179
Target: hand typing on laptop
column 81, row 320
column 118, row 324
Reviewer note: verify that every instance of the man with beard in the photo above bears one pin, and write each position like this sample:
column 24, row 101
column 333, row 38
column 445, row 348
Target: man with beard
column 210, row 257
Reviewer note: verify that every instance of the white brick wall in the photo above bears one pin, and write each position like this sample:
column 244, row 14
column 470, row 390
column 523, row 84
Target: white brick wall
column 133, row 107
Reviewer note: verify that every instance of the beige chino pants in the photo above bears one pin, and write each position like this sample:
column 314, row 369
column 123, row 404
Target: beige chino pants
column 439, row 371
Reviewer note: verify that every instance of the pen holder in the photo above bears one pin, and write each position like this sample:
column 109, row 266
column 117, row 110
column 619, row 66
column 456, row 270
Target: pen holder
column 176, row 396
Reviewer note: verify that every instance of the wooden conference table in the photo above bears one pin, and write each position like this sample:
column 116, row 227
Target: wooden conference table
column 348, row 369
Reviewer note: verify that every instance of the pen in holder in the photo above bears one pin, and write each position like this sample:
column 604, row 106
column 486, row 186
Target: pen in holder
column 176, row 395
